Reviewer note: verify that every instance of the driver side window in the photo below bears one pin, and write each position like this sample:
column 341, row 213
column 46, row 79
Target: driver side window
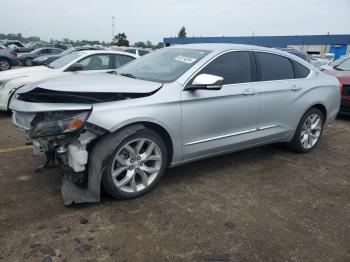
column 44, row 51
column 234, row 67
column 96, row 62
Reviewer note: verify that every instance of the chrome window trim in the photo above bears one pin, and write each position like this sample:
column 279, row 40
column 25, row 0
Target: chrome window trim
column 285, row 56
column 252, row 50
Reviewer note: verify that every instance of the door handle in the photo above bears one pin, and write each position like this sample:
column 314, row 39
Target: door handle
column 295, row 88
column 249, row 92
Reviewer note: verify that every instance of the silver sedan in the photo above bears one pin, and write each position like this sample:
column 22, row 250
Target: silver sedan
column 171, row 107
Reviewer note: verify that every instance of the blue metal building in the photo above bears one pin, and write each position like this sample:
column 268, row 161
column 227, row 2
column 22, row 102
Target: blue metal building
column 312, row 44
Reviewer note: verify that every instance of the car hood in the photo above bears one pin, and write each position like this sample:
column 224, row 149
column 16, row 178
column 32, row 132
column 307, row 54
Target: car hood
column 87, row 89
column 22, row 72
column 96, row 83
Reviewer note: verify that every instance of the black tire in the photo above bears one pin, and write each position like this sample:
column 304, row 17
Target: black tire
column 107, row 182
column 296, row 143
column 28, row 61
column 4, row 64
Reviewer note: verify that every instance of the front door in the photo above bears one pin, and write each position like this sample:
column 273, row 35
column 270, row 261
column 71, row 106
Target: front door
column 216, row 121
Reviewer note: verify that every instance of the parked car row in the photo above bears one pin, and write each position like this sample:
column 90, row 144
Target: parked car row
column 29, row 47
column 27, row 58
column 120, row 131
column 8, row 58
column 75, row 63
column 47, row 59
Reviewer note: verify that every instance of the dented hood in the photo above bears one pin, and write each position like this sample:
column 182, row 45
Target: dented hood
column 95, row 83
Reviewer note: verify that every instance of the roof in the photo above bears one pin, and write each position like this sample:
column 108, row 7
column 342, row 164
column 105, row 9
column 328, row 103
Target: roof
column 220, row 47
column 87, row 52
column 270, row 41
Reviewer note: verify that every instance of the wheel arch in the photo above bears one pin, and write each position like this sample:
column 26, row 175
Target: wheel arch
column 160, row 129
column 321, row 107
column 5, row 58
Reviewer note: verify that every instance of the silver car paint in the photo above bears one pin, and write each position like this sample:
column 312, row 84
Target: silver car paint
column 204, row 123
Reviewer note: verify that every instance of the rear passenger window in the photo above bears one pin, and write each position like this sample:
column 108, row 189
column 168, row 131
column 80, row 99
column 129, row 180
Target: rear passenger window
column 143, row 52
column 234, row 67
column 300, row 71
column 121, row 60
column 274, row 67
column 132, row 51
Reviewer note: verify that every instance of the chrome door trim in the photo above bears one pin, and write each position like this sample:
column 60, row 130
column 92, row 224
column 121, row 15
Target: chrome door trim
column 229, row 135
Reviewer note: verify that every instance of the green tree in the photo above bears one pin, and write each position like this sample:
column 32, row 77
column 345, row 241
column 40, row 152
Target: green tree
column 140, row 44
column 121, row 39
column 182, row 33
column 160, row 45
column 149, row 44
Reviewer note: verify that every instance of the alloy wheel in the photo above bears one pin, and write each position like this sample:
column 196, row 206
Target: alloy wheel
column 28, row 62
column 311, row 131
column 4, row 65
column 136, row 165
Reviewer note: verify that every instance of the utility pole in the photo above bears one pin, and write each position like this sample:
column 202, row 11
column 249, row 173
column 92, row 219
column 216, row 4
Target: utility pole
column 113, row 35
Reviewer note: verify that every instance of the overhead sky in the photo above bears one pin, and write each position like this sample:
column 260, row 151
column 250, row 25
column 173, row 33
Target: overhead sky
column 152, row 20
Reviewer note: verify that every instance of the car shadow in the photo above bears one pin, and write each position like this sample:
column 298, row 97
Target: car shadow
column 343, row 117
column 4, row 114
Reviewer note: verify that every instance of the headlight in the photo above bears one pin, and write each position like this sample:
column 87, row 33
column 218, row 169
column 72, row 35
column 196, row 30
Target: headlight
column 57, row 123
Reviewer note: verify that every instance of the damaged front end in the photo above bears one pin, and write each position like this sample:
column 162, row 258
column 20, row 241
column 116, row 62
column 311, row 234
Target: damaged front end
column 66, row 139
column 56, row 120
column 61, row 135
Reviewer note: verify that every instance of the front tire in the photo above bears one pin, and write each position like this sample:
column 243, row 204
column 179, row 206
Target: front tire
column 136, row 165
column 308, row 132
column 4, row 64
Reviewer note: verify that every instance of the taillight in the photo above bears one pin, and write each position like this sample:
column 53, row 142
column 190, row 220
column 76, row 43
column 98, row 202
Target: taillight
column 14, row 53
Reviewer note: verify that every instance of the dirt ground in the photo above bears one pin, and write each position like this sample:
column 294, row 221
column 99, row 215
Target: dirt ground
column 264, row 204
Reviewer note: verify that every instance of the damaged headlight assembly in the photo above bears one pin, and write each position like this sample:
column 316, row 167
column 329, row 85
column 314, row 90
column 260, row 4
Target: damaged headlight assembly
column 57, row 123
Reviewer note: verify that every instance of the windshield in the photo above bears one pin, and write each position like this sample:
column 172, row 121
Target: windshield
column 345, row 66
column 339, row 61
column 64, row 60
column 68, row 51
column 164, row 65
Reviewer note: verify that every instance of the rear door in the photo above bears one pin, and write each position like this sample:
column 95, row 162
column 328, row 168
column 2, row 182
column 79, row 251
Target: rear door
column 282, row 81
column 216, row 121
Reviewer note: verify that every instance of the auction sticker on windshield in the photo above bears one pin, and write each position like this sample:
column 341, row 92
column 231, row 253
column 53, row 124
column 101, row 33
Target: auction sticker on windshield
column 185, row 59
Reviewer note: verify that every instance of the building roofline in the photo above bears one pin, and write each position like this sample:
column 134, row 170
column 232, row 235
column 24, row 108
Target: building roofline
column 270, row 41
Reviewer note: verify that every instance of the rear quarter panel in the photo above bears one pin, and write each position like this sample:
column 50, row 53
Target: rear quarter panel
column 321, row 89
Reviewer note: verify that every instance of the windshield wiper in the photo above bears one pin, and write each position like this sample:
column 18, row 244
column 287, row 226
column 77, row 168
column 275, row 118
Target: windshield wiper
column 128, row 75
column 49, row 66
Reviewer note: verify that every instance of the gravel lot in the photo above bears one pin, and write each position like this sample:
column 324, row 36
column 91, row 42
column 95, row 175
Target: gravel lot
column 264, row 204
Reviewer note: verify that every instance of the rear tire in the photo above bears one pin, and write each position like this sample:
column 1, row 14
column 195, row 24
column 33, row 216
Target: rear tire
column 135, row 166
column 309, row 131
column 28, row 62
column 4, row 64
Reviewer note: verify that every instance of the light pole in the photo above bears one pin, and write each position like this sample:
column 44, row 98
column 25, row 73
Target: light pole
column 113, row 27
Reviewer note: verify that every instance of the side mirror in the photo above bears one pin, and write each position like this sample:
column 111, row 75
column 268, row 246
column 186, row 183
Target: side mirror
column 76, row 67
column 206, row 81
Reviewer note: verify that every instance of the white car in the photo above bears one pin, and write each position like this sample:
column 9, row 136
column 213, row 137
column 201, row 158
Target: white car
column 137, row 51
column 84, row 62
